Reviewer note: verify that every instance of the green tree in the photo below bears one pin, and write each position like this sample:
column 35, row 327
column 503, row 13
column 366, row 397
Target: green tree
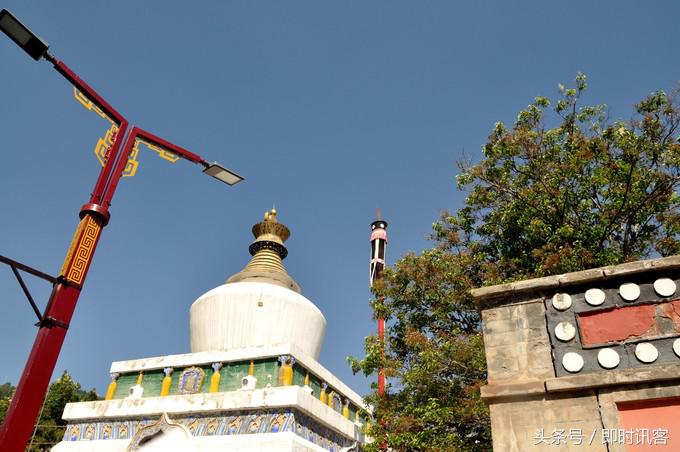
column 50, row 428
column 6, row 393
column 542, row 201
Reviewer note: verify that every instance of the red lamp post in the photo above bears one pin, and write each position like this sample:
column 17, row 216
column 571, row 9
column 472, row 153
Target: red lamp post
column 94, row 216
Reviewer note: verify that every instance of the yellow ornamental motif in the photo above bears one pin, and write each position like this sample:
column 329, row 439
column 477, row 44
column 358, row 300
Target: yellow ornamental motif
column 167, row 381
column 323, row 397
column 105, row 143
column 345, row 410
column 101, row 150
column 87, row 103
column 133, row 164
column 72, row 247
column 193, row 426
column 162, row 153
column 286, row 370
column 80, row 252
column 75, row 431
column 234, row 426
column 212, row 426
column 215, row 378
column 89, row 432
column 111, row 391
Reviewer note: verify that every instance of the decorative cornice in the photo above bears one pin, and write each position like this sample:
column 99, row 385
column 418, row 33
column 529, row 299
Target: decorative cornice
column 486, row 297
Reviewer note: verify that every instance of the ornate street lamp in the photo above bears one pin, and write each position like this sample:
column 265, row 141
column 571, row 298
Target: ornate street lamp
column 94, row 215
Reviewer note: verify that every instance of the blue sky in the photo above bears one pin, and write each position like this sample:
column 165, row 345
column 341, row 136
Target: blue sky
column 329, row 109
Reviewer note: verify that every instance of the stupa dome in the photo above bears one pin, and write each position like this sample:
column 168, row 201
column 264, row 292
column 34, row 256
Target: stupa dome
column 259, row 306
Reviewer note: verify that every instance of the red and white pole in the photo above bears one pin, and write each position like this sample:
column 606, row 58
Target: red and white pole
column 378, row 246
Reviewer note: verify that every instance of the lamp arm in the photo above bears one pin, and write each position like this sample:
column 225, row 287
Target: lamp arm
column 135, row 134
column 83, row 87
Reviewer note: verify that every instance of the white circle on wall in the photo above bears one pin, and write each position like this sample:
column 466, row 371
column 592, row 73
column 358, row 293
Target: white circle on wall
column 608, row 358
column 561, row 301
column 646, row 352
column 595, row 297
column 664, row 287
column 629, row 291
column 565, row 331
column 572, row 362
column 676, row 347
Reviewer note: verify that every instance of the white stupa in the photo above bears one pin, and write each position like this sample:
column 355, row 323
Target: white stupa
column 252, row 381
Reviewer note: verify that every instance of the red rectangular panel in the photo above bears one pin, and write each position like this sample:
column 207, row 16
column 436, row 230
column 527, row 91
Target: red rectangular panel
column 630, row 323
column 650, row 425
column 618, row 324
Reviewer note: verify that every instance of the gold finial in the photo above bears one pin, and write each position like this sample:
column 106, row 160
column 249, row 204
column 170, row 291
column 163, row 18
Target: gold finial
column 268, row 251
column 270, row 215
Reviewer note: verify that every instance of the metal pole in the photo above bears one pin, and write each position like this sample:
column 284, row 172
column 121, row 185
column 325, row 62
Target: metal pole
column 35, row 379
column 94, row 216
column 378, row 248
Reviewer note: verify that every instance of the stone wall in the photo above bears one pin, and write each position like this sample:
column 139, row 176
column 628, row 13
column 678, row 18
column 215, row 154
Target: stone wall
column 577, row 361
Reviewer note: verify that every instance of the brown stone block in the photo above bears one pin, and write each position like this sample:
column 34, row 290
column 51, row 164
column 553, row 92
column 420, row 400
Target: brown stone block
column 498, row 326
column 501, row 363
column 629, row 268
column 669, row 263
column 534, row 285
column 515, row 425
column 540, row 366
column 515, row 336
column 579, row 411
column 519, row 390
column 530, row 314
column 502, row 339
column 493, row 314
column 489, row 292
column 581, row 277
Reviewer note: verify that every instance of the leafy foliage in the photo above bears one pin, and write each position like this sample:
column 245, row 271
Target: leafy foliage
column 542, row 201
column 50, row 429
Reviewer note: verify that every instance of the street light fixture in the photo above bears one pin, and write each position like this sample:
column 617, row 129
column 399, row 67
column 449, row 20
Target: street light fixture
column 20, row 34
column 223, row 174
column 94, row 216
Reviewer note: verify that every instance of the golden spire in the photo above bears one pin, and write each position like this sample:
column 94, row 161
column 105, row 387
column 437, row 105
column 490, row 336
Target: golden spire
column 268, row 253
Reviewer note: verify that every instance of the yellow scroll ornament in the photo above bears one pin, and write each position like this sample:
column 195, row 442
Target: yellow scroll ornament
column 104, row 144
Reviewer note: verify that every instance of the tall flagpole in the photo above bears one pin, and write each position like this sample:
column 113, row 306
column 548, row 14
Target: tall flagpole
column 378, row 245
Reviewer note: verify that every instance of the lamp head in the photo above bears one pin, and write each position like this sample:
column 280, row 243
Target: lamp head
column 223, row 174
column 22, row 36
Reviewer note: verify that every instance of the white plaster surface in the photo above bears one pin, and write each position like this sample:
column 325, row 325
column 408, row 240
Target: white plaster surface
column 191, row 359
column 608, row 358
column 646, row 352
column 284, row 442
column 665, row 287
column 629, row 291
column 252, row 314
column 595, row 297
column 561, row 301
column 676, row 347
column 572, row 362
column 565, row 331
